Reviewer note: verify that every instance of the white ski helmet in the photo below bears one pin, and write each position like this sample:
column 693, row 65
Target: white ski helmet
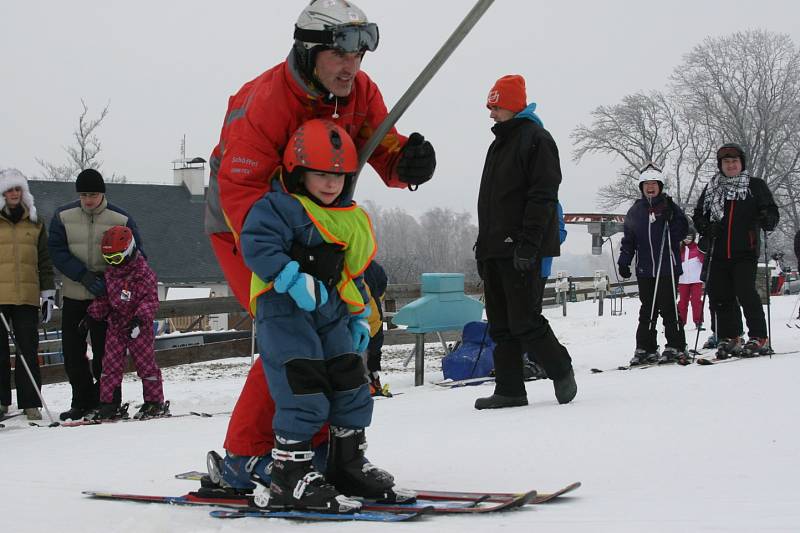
column 651, row 173
column 336, row 24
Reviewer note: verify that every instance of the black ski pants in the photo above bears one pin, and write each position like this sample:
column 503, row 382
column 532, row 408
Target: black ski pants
column 731, row 280
column 514, row 309
column 24, row 322
column 375, row 346
column 83, row 377
column 665, row 306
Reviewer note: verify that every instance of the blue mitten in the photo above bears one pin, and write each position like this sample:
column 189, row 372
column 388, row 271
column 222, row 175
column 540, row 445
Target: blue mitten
column 307, row 292
column 359, row 330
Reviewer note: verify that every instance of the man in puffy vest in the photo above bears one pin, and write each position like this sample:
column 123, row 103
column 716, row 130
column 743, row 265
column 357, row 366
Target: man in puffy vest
column 321, row 78
column 74, row 242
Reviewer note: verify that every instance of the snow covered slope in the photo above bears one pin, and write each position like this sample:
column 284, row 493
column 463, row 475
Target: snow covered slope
column 663, row 449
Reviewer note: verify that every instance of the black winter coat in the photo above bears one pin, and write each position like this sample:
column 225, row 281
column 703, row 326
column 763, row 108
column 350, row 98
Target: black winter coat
column 644, row 237
column 519, row 192
column 742, row 235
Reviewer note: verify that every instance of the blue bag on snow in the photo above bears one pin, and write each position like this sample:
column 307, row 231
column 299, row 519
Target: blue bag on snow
column 474, row 357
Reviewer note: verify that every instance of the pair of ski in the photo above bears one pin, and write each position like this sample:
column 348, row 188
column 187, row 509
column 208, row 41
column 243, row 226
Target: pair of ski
column 686, row 362
column 705, row 361
column 428, row 502
column 455, row 383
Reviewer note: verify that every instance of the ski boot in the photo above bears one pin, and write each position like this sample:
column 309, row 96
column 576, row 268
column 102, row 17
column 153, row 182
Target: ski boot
column 375, row 387
column 642, row 357
column 711, row 342
column 352, row 474
column 33, row 413
column 669, row 355
column 729, row 348
column 296, row 484
column 755, row 346
column 232, row 476
column 153, row 410
column 74, row 413
column 109, row 411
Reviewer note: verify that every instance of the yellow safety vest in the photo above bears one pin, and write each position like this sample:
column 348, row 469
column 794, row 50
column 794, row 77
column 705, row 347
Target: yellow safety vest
column 349, row 227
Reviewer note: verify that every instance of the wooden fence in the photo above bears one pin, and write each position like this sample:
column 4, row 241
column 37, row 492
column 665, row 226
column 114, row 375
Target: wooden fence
column 396, row 296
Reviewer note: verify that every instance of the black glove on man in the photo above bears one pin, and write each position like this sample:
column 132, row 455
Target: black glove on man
column 767, row 220
column 715, row 230
column 625, row 271
column 94, row 283
column 86, row 323
column 417, row 160
column 525, row 257
column 669, row 208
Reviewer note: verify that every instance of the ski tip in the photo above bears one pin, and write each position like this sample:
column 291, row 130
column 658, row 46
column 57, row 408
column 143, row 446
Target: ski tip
column 596, row 371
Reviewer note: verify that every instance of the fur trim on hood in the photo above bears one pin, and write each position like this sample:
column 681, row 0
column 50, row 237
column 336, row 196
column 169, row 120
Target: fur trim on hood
column 10, row 178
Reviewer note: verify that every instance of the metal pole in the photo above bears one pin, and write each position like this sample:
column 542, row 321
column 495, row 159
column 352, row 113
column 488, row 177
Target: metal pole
column 422, row 80
column 769, row 315
column 21, row 357
column 419, row 361
column 658, row 276
column 706, row 283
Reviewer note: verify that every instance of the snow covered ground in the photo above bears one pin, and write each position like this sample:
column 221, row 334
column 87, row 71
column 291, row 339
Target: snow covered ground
column 663, row 449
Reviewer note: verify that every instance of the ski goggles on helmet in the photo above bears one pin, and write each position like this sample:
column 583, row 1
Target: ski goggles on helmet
column 114, row 259
column 350, row 38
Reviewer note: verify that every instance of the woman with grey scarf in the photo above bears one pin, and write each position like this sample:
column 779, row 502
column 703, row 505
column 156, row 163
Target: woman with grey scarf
column 730, row 214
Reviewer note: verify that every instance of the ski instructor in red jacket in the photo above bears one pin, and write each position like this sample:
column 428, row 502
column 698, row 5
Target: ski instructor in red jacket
column 321, row 78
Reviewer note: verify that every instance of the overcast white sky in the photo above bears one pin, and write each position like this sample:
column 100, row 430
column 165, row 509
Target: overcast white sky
column 168, row 67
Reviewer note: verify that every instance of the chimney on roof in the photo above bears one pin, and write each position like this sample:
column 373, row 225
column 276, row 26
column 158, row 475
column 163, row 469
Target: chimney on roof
column 191, row 174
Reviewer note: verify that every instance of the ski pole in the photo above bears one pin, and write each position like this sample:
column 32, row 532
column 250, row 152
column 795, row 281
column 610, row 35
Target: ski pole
column 766, row 276
column 21, row 357
column 422, row 80
column 658, row 276
column 672, row 276
column 706, row 283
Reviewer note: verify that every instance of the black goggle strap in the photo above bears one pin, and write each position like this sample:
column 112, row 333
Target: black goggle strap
column 356, row 38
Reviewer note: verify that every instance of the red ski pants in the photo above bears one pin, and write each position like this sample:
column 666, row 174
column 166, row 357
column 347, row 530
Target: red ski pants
column 690, row 293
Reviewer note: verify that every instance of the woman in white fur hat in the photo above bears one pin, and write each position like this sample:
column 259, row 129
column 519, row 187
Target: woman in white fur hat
column 26, row 276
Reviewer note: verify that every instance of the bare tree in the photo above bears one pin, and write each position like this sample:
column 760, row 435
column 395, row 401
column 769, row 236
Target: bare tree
column 747, row 87
column 84, row 153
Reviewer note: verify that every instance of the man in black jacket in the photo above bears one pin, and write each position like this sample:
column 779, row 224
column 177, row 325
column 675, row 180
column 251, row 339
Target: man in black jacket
column 517, row 227
column 731, row 212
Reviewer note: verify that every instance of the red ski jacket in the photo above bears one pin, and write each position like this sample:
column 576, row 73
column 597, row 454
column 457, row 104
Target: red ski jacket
column 260, row 119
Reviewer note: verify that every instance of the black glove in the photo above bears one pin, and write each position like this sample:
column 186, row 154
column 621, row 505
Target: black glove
column 669, row 208
column 86, row 323
column 417, row 160
column 767, row 220
column 525, row 258
column 715, row 230
column 94, row 283
column 134, row 327
column 625, row 271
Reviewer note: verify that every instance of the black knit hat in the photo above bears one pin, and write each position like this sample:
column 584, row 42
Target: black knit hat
column 90, row 180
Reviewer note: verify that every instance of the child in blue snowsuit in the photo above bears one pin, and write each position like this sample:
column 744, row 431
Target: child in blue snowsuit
column 308, row 244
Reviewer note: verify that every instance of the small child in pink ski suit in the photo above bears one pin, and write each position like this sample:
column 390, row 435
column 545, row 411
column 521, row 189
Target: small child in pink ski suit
column 129, row 306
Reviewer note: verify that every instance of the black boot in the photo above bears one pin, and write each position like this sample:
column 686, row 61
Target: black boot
column 297, row 485
column 110, row 411
column 352, row 474
column 498, row 401
column 565, row 388
column 74, row 413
